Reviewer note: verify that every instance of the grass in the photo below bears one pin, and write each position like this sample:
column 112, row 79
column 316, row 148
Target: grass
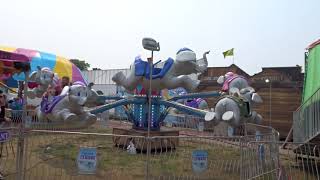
column 60, row 151
column 54, row 156
column 299, row 168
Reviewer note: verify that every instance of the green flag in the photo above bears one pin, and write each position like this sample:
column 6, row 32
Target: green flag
column 228, row 53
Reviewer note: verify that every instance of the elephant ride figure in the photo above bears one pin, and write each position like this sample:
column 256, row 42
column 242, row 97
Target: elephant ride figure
column 68, row 107
column 172, row 74
column 94, row 99
column 236, row 110
column 197, row 103
column 42, row 79
column 231, row 81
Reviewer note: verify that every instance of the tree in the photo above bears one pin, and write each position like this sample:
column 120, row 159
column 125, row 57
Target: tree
column 82, row 65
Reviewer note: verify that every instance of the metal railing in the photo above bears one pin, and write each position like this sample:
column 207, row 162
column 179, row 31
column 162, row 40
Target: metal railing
column 300, row 161
column 194, row 154
column 306, row 119
column 52, row 154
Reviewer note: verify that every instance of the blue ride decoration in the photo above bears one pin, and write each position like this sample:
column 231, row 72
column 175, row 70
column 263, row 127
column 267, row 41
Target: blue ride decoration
column 136, row 108
column 142, row 68
column 135, row 105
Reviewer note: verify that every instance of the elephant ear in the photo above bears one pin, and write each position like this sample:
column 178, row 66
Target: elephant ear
column 228, row 116
column 246, row 90
column 90, row 85
column 33, row 76
column 234, row 92
column 209, row 116
column 256, row 98
column 220, row 80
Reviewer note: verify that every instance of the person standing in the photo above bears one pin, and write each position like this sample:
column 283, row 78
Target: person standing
column 3, row 120
column 3, row 102
column 65, row 81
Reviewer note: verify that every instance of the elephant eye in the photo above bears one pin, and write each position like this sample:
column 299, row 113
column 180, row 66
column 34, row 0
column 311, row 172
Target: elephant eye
column 78, row 94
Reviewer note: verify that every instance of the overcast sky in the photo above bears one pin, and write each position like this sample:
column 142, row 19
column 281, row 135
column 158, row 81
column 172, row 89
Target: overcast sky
column 108, row 33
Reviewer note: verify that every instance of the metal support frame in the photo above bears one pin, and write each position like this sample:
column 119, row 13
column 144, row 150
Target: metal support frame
column 21, row 148
column 150, row 61
column 197, row 95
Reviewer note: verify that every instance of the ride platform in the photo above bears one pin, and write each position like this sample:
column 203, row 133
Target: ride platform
column 162, row 140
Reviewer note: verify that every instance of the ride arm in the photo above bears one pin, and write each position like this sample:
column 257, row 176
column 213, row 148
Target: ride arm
column 197, row 95
column 183, row 108
column 98, row 100
column 5, row 86
column 109, row 106
column 104, row 98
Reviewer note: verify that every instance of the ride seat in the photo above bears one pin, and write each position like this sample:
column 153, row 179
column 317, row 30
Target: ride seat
column 142, row 68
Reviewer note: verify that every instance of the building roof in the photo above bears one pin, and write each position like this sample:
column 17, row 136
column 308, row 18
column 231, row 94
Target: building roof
column 295, row 72
column 218, row 71
column 312, row 45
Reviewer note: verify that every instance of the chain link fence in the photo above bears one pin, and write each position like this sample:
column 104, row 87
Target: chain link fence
column 197, row 153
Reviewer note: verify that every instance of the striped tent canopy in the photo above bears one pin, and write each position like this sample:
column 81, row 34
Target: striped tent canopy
column 58, row 64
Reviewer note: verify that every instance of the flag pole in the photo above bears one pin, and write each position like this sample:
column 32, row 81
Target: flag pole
column 233, row 57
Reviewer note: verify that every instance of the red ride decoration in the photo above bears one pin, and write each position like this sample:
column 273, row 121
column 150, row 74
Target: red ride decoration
column 143, row 91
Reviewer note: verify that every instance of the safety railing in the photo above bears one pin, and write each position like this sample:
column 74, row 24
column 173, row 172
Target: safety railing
column 51, row 154
column 306, row 119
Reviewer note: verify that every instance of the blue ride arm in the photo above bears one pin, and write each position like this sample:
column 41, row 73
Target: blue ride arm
column 104, row 98
column 197, row 95
column 183, row 108
column 109, row 106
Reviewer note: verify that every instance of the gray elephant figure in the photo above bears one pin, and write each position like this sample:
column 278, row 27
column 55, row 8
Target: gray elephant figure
column 236, row 110
column 231, row 81
column 44, row 77
column 173, row 74
column 68, row 108
column 95, row 99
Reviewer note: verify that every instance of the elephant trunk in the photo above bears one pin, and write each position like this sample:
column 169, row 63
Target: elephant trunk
column 205, row 55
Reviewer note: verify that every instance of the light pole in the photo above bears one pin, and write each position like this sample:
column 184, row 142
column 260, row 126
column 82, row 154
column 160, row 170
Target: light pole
column 270, row 96
column 151, row 45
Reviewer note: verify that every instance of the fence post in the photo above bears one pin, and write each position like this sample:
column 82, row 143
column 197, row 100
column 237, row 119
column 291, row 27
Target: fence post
column 21, row 130
column 241, row 158
column 148, row 157
column 275, row 149
column 20, row 153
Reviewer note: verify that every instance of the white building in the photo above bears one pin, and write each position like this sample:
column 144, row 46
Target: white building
column 102, row 79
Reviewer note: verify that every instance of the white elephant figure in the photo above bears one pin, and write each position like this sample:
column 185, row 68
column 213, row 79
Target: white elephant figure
column 173, row 74
column 236, row 110
column 231, row 81
column 68, row 107
column 43, row 77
